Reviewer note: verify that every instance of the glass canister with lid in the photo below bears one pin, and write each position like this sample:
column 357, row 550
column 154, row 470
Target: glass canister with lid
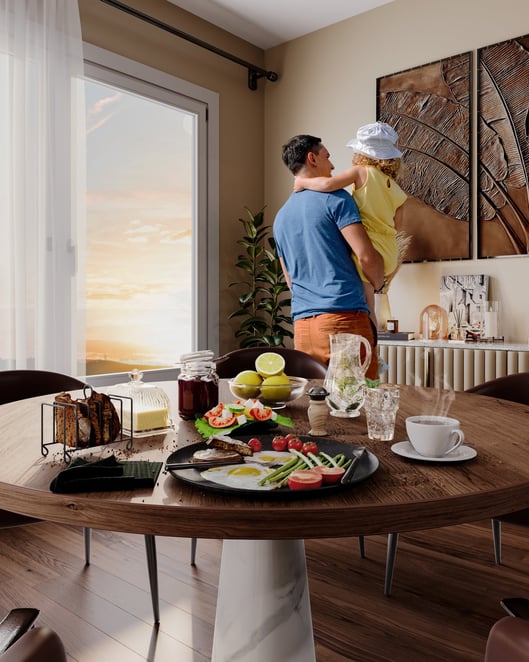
column 198, row 384
column 146, row 407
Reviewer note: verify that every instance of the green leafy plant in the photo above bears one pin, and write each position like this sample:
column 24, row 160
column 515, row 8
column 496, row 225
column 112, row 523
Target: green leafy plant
column 262, row 301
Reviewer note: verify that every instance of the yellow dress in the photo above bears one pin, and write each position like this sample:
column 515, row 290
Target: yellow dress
column 378, row 200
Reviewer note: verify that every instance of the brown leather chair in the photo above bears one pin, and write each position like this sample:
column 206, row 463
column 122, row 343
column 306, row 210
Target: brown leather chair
column 297, row 364
column 508, row 641
column 22, row 384
column 21, row 642
column 514, row 388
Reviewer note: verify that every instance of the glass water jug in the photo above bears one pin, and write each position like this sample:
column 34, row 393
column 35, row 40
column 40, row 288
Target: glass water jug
column 345, row 378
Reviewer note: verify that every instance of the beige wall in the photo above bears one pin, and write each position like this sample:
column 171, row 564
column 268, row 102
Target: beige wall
column 241, row 110
column 327, row 87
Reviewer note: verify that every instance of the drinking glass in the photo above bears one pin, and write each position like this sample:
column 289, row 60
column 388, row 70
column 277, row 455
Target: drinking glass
column 381, row 405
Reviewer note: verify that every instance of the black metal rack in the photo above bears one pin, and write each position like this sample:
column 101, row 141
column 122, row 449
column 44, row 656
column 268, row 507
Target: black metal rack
column 68, row 449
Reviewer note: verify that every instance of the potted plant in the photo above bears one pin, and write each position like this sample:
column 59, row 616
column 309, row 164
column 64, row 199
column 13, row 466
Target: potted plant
column 262, row 300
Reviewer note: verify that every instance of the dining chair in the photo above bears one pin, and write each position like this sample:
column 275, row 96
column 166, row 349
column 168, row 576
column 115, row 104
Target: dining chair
column 514, row 388
column 21, row 384
column 297, row 363
column 508, row 639
column 21, row 642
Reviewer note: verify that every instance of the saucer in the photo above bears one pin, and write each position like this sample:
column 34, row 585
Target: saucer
column 405, row 449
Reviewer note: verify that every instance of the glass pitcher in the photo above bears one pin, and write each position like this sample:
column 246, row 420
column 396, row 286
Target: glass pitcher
column 345, row 376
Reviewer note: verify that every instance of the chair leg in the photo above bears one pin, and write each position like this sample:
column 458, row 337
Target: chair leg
column 496, row 540
column 193, row 550
column 87, row 534
column 152, row 565
column 393, row 541
column 361, row 545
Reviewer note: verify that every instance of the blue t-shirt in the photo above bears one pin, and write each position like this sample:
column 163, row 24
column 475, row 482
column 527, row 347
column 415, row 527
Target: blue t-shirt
column 316, row 255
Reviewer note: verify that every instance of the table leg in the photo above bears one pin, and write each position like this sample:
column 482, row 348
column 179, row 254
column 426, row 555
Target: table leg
column 263, row 608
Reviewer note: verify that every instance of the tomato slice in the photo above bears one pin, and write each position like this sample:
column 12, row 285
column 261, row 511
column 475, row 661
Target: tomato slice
column 222, row 421
column 261, row 413
column 330, row 475
column 215, row 411
column 305, row 479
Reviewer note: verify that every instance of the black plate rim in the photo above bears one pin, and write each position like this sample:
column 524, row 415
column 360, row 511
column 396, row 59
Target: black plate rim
column 369, row 463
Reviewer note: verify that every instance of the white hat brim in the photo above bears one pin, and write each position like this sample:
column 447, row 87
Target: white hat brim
column 382, row 151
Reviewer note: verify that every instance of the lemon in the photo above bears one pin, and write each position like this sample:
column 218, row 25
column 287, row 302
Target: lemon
column 269, row 364
column 276, row 388
column 246, row 384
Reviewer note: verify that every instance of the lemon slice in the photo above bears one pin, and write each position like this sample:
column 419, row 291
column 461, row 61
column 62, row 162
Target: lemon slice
column 269, row 364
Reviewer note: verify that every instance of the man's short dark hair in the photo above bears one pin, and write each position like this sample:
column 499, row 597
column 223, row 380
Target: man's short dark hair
column 294, row 152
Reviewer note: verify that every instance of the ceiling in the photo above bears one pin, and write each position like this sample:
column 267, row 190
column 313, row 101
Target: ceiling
column 268, row 23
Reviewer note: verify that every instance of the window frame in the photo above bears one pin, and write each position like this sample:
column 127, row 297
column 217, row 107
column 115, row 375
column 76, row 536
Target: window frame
column 110, row 68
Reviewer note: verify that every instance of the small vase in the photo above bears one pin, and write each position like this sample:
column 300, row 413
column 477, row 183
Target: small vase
column 382, row 311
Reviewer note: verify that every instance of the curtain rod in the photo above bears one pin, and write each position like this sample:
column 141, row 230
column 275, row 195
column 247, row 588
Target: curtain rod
column 254, row 72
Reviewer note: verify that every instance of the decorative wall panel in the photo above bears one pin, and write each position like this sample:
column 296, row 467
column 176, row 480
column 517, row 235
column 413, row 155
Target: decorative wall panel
column 430, row 108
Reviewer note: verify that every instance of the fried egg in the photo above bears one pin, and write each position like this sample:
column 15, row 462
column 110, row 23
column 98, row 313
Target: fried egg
column 240, row 477
column 272, row 457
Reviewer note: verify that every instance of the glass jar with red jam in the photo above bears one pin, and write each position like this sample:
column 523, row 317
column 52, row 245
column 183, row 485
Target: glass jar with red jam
column 198, row 385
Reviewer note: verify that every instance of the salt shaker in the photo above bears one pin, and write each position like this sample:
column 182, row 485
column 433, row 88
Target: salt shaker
column 318, row 411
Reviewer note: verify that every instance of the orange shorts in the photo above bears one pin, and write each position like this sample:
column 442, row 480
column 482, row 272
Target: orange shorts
column 311, row 335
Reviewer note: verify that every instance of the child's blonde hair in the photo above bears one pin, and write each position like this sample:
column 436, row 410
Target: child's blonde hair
column 389, row 167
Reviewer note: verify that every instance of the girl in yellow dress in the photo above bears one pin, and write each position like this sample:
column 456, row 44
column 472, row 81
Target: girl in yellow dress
column 376, row 162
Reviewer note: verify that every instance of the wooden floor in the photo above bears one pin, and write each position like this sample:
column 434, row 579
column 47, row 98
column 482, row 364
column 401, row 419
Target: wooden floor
column 445, row 598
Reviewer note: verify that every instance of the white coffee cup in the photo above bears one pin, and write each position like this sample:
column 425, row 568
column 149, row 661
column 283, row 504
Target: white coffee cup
column 434, row 436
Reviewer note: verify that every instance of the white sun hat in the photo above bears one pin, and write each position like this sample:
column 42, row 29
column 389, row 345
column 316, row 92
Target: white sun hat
column 376, row 140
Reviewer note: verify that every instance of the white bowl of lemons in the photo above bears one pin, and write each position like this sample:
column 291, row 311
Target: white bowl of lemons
column 268, row 382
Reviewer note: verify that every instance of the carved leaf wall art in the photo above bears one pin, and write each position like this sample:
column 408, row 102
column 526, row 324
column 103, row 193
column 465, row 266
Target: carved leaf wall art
column 503, row 143
column 430, row 108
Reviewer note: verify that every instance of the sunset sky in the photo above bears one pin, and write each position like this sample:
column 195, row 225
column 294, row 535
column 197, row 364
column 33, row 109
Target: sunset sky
column 139, row 181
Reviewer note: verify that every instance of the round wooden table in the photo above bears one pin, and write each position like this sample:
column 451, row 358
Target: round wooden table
column 263, row 610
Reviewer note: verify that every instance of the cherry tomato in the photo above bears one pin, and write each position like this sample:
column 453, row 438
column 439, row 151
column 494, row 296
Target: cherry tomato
column 255, row 444
column 295, row 443
column 330, row 475
column 304, row 479
column 221, row 421
column 279, row 443
column 291, row 435
column 261, row 413
column 310, row 447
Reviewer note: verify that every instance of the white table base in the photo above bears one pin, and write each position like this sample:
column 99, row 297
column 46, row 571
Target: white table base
column 263, row 607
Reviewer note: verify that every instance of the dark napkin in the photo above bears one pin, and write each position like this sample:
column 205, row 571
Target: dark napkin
column 106, row 475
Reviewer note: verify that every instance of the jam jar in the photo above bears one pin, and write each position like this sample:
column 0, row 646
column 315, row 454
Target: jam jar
column 198, row 384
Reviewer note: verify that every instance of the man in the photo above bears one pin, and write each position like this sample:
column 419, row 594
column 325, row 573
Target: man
column 315, row 234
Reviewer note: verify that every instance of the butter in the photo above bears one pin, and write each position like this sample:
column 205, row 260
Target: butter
column 147, row 419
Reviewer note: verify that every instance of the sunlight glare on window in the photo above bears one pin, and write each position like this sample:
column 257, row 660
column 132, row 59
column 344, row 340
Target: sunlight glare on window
column 140, row 188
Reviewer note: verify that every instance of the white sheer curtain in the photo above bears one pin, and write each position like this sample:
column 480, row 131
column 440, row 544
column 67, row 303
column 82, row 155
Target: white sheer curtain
column 40, row 64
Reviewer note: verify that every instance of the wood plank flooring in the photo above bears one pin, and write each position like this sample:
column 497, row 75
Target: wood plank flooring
column 445, row 598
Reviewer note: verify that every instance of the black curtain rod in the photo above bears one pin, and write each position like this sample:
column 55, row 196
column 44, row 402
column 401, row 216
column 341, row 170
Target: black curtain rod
column 254, row 72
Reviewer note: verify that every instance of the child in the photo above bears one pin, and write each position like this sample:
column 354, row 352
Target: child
column 376, row 162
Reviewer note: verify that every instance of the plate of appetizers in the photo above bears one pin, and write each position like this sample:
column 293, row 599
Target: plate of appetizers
column 272, row 465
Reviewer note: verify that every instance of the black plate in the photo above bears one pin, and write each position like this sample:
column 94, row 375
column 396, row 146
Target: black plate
column 367, row 466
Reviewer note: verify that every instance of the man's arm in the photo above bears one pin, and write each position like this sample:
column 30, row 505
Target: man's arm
column 285, row 273
column 369, row 259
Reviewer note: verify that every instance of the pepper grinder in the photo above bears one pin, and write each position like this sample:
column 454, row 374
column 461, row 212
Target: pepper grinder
column 318, row 411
